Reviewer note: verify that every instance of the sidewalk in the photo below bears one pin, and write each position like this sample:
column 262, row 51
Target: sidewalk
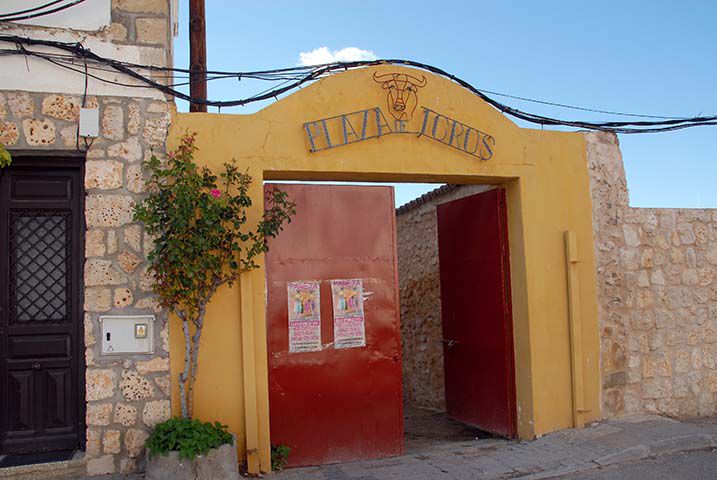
column 605, row 443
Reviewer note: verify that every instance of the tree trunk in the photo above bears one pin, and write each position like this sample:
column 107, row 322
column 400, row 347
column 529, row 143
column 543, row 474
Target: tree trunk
column 184, row 376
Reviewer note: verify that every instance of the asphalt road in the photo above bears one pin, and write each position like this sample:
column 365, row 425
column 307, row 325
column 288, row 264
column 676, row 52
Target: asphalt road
column 696, row 465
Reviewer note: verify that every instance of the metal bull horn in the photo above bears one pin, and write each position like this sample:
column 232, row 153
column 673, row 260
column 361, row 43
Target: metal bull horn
column 416, row 82
column 387, row 77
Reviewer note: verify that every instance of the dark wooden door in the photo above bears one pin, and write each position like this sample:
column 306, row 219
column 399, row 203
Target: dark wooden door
column 40, row 267
column 336, row 404
column 476, row 312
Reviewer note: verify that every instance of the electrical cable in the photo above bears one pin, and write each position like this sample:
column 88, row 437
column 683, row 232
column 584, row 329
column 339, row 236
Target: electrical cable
column 30, row 10
column 295, row 77
column 17, row 18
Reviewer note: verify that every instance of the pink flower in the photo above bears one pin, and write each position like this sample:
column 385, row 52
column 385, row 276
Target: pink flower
column 216, row 193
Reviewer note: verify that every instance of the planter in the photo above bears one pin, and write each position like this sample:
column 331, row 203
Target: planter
column 219, row 464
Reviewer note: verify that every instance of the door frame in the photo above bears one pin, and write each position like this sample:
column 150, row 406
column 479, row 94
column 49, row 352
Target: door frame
column 72, row 159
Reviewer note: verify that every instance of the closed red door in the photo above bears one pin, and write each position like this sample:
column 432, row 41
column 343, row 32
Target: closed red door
column 337, row 404
column 476, row 312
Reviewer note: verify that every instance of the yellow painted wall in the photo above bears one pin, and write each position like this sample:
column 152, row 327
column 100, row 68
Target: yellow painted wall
column 546, row 177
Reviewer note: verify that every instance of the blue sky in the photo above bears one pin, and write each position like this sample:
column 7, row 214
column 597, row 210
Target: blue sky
column 649, row 57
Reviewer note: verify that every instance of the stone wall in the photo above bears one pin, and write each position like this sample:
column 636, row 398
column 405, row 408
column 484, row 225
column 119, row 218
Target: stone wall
column 420, row 291
column 656, row 294
column 125, row 395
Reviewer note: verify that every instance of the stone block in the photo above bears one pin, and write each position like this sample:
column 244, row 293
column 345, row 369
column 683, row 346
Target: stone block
column 133, row 237
column 135, row 180
column 128, row 261
column 164, row 383
column 98, row 414
column 134, row 440
column 113, row 122
column 101, row 384
column 108, row 210
column 94, row 442
column 155, row 411
column 155, row 130
column 111, row 441
column 102, row 272
column 123, row 297
column 68, row 135
column 9, row 133
column 62, row 107
column 98, row 299
column 134, row 120
column 95, row 243
column 151, row 30
column 129, row 150
column 125, row 415
column 135, row 387
column 103, row 465
column 103, row 174
column 157, row 364
column 141, row 6
column 21, row 104
column 117, row 32
column 38, row 133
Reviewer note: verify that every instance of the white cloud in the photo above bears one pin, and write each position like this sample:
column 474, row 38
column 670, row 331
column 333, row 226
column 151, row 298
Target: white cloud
column 324, row 55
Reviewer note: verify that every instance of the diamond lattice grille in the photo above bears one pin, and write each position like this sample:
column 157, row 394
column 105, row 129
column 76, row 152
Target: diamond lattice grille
column 40, row 266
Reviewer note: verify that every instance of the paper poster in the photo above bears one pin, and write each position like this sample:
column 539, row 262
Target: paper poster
column 304, row 317
column 349, row 325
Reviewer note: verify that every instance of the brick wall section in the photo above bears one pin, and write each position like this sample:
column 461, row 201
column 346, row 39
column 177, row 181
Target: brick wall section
column 420, row 291
column 126, row 395
column 656, row 295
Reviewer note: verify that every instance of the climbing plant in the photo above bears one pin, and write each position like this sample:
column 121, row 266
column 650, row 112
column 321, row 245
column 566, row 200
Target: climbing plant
column 202, row 239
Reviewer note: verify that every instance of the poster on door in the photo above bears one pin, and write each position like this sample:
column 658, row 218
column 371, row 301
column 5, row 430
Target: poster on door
column 349, row 324
column 304, row 316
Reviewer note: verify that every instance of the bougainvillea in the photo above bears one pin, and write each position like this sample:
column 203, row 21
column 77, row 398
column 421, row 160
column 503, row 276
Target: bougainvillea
column 202, row 239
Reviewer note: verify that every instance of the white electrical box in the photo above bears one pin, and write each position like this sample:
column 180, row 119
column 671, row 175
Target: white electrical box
column 127, row 334
column 89, row 122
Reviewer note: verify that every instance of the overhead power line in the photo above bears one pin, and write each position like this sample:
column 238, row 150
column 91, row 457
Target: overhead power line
column 295, row 77
column 39, row 11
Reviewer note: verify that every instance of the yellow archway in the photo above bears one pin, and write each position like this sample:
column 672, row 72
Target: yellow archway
column 346, row 127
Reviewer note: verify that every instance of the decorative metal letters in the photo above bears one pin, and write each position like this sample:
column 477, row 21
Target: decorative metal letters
column 402, row 102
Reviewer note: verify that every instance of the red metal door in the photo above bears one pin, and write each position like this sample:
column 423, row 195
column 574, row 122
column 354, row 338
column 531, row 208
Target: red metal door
column 476, row 312
column 336, row 405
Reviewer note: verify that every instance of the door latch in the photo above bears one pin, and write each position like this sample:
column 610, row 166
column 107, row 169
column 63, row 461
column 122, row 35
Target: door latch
column 449, row 343
column 36, row 366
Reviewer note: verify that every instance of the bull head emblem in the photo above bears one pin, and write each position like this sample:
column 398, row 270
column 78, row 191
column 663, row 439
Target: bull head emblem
column 402, row 93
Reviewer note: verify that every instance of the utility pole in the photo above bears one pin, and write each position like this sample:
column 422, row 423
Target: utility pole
column 197, row 55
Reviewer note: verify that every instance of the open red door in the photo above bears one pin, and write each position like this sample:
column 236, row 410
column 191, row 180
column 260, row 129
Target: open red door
column 476, row 312
column 336, row 404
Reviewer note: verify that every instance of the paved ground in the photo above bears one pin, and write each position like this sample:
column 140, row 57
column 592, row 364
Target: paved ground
column 696, row 465
column 638, row 447
column 603, row 445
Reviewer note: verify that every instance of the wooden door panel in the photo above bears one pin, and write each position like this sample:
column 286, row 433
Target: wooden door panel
column 41, row 367
column 476, row 312
column 58, row 411
column 20, row 388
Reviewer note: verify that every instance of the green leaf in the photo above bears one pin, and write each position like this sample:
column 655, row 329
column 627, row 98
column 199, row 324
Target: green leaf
column 5, row 157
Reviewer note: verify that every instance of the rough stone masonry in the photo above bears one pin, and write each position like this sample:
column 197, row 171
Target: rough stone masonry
column 126, row 396
column 657, row 296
